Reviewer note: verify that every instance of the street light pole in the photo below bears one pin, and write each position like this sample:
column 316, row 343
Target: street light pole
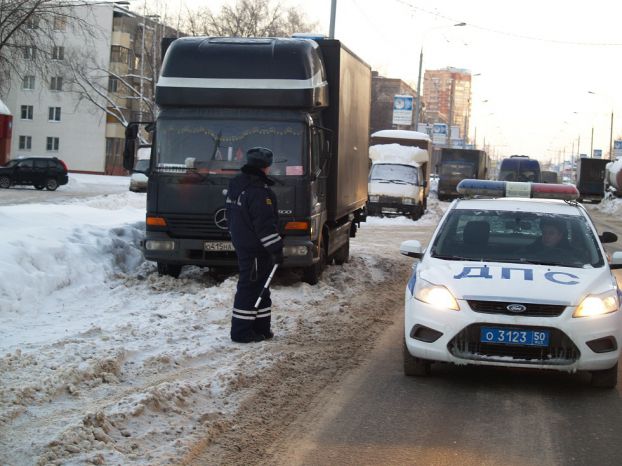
column 418, row 104
column 333, row 15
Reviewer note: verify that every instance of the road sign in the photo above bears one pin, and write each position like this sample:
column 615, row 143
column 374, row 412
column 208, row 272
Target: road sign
column 402, row 110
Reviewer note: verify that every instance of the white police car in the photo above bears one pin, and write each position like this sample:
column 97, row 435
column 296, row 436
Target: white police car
column 492, row 289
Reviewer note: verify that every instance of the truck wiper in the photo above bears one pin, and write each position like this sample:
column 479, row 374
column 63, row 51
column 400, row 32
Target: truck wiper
column 392, row 181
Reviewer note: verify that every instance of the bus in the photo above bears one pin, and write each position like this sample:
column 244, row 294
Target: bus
column 520, row 168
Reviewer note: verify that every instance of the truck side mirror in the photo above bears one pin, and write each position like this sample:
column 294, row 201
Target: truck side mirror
column 608, row 237
column 131, row 133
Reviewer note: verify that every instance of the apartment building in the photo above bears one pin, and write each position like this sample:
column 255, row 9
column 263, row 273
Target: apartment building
column 77, row 112
column 447, row 98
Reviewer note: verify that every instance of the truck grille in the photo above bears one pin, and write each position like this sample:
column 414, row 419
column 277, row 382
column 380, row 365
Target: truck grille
column 561, row 350
column 203, row 226
column 531, row 310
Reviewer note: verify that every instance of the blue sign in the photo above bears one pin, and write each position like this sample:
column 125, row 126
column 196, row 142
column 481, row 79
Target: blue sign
column 617, row 144
column 402, row 110
column 598, row 153
column 439, row 128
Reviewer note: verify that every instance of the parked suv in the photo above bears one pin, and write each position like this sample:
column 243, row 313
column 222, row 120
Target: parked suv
column 40, row 172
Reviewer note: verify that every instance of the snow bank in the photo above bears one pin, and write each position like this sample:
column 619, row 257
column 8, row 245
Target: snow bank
column 4, row 110
column 396, row 153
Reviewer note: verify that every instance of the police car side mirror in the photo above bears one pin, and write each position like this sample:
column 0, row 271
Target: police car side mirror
column 412, row 248
column 616, row 261
column 608, row 237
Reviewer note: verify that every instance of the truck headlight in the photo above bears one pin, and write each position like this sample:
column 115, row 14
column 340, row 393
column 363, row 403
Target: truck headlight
column 437, row 296
column 374, row 198
column 597, row 305
column 408, row 201
column 295, row 251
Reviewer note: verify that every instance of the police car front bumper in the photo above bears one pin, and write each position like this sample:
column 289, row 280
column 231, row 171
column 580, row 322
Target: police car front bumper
column 587, row 343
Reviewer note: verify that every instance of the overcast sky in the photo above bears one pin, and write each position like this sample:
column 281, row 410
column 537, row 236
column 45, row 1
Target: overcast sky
column 536, row 61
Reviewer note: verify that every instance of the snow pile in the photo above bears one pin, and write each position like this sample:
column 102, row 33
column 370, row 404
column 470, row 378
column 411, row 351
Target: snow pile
column 396, row 153
column 401, row 134
column 103, row 361
column 4, row 110
column 609, row 205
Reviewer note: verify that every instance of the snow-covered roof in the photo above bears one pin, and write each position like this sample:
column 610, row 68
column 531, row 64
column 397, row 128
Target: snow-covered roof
column 396, row 153
column 400, row 134
column 4, row 110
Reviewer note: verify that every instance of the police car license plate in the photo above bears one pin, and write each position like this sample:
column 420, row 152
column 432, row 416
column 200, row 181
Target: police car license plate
column 218, row 246
column 514, row 336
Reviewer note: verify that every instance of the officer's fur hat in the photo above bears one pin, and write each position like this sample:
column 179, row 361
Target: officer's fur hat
column 259, row 157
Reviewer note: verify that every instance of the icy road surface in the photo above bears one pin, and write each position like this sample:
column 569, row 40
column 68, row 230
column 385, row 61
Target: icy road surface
column 104, row 361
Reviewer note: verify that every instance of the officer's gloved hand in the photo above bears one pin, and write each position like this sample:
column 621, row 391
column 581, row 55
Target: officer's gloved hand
column 277, row 257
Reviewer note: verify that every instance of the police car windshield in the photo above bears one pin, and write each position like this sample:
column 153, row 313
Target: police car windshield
column 217, row 142
column 393, row 173
column 517, row 237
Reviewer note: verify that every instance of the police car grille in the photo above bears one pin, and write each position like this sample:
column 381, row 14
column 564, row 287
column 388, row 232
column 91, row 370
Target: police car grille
column 532, row 310
column 561, row 350
column 194, row 227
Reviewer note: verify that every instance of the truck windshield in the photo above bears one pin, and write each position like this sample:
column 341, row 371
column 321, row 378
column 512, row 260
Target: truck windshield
column 462, row 169
column 393, row 173
column 218, row 145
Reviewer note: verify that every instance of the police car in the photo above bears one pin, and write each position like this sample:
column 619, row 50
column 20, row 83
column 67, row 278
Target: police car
column 492, row 289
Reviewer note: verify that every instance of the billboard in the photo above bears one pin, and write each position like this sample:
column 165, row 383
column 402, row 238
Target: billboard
column 617, row 148
column 403, row 110
column 440, row 133
column 598, row 153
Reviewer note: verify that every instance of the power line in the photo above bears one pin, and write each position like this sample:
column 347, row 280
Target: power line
column 506, row 33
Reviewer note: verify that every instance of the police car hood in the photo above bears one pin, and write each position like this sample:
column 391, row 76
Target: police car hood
column 523, row 283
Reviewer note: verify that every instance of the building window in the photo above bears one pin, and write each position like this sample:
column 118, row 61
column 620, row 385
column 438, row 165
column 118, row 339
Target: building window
column 60, row 23
column 119, row 54
column 52, row 144
column 25, row 142
column 58, row 53
column 27, row 111
column 28, row 82
column 113, row 84
column 29, row 52
column 54, row 113
column 56, row 83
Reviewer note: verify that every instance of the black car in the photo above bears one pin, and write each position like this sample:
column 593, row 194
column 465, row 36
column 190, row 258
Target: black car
column 40, row 172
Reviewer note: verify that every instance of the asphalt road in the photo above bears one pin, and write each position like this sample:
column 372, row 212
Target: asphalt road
column 459, row 415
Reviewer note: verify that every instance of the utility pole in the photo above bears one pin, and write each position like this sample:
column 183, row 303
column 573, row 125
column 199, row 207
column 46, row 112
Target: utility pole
column 591, row 154
column 333, row 15
column 611, row 138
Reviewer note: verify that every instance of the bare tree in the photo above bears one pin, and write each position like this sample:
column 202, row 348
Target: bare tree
column 248, row 18
column 29, row 35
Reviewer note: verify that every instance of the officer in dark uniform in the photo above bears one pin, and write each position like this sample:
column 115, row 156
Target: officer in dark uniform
column 253, row 223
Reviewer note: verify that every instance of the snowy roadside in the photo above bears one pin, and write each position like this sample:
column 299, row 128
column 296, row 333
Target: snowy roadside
column 103, row 361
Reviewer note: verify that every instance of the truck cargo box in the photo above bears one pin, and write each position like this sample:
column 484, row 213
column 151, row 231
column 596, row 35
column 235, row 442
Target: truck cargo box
column 349, row 79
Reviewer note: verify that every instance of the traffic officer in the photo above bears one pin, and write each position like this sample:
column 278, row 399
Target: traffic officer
column 253, row 223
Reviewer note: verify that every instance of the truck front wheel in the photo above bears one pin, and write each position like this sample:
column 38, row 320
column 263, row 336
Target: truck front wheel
column 172, row 270
column 342, row 255
column 311, row 274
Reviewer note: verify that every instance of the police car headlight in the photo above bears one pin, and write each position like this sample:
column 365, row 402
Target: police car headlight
column 597, row 305
column 374, row 198
column 408, row 201
column 437, row 296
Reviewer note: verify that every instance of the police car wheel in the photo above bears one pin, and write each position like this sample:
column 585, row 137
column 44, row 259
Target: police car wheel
column 607, row 378
column 5, row 182
column 172, row 270
column 414, row 366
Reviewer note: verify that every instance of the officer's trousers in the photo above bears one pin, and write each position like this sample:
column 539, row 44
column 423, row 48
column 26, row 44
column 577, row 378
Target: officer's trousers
column 246, row 321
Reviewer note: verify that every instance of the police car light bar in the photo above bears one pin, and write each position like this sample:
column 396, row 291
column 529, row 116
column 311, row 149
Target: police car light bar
column 489, row 188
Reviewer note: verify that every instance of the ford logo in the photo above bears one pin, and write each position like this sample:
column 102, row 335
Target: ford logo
column 516, row 308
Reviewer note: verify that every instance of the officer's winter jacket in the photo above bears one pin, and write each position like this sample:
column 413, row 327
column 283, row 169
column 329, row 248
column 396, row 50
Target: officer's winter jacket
column 252, row 213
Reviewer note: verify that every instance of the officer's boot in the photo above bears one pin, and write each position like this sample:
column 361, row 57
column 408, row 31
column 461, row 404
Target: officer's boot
column 242, row 323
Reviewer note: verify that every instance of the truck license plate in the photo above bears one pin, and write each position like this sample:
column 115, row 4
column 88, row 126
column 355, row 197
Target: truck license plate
column 514, row 336
column 218, row 246
column 389, row 210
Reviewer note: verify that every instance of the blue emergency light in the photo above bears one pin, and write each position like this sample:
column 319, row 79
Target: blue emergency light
column 487, row 188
